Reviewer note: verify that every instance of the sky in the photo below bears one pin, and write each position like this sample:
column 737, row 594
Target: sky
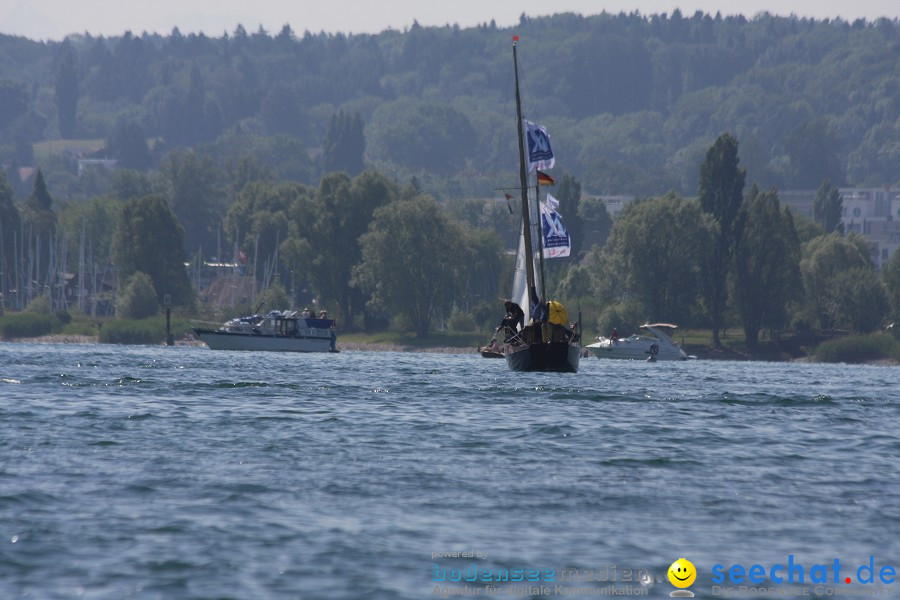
column 54, row 19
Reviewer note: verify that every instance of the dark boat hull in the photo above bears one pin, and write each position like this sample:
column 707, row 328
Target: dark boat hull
column 560, row 357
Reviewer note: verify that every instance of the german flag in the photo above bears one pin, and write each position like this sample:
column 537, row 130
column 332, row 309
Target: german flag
column 544, row 179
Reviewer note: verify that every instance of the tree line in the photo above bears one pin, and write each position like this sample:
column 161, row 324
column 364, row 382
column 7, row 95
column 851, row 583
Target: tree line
column 634, row 100
column 379, row 253
column 735, row 256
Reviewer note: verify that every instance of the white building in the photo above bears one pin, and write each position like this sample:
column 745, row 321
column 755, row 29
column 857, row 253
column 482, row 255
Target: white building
column 875, row 214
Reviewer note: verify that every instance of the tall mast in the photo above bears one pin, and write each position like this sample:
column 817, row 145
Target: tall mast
column 523, row 180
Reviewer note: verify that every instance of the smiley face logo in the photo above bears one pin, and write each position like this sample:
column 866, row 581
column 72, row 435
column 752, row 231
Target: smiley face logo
column 682, row 573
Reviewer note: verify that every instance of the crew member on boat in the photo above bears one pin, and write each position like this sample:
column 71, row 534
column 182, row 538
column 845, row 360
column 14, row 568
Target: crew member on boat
column 514, row 319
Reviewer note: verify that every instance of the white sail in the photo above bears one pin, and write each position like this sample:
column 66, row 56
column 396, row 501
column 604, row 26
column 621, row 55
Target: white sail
column 520, row 278
column 520, row 285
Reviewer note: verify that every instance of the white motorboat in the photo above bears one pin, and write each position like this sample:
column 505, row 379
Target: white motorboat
column 276, row 332
column 641, row 347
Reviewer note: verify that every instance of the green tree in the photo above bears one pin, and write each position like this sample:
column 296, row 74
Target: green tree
column 283, row 111
column 597, row 222
column 813, row 151
column 128, row 144
column 274, row 298
column 9, row 230
column 767, row 262
column 128, row 184
column 13, row 102
column 67, row 90
column 409, row 261
column 345, row 144
column 651, row 259
column 481, row 260
column 137, row 298
column 827, row 207
column 721, row 186
column 891, row 274
column 193, row 185
column 857, row 300
column 148, row 238
column 93, row 219
column 568, row 192
column 39, row 207
column 823, row 259
column 422, row 135
column 39, row 234
column 259, row 218
column 342, row 213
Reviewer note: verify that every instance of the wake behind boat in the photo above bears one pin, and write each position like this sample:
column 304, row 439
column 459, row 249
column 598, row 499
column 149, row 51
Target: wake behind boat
column 641, row 347
column 275, row 332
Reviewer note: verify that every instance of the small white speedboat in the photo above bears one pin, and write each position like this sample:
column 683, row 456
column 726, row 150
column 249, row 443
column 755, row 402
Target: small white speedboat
column 641, row 347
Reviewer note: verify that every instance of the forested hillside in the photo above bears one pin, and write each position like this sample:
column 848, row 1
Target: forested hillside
column 367, row 173
column 632, row 102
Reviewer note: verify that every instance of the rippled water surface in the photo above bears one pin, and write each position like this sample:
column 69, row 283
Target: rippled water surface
column 153, row 472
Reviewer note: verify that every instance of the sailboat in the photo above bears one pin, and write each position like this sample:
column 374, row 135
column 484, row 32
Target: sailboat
column 547, row 342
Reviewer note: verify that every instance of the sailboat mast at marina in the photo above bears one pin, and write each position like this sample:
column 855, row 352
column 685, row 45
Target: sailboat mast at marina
column 547, row 342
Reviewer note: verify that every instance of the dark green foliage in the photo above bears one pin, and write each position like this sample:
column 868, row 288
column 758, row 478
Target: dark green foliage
column 423, row 135
column 148, row 238
column 40, row 198
column 273, row 298
column 67, row 90
column 856, row 300
column 139, row 332
column 409, row 263
column 827, row 207
column 814, row 154
column 324, row 246
column 766, row 263
column 345, row 144
column 280, row 157
column 721, row 186
column 891, row 275
column 652, row 259
column 193, row 186
column 568, row 192
column 129, row 185
column 13, row 103
column 258, row 219
column 632, row 101
column 824, row 259
column 128, row 144
column 39, row 230
column 460, row 321
column 283, row 111
column 9, row 229
column 40, row 305
column 859, row 349
column 28, row 324
column 137, row 298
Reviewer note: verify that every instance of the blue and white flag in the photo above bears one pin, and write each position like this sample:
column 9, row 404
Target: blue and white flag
column 540, row 154
column 557, row 243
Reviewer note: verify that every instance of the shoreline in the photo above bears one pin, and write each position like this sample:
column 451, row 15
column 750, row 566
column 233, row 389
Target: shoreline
column 701, row 352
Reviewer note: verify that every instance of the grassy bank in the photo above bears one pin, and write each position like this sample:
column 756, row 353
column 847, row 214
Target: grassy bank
column 860, row 349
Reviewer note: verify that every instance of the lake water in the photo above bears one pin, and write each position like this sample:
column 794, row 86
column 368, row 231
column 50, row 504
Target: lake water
column 154, row 472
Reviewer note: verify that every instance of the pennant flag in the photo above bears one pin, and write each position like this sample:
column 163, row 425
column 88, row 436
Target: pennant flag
column 544, row 179
column 540, row 154
column 557, row 243
column 508, row 198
